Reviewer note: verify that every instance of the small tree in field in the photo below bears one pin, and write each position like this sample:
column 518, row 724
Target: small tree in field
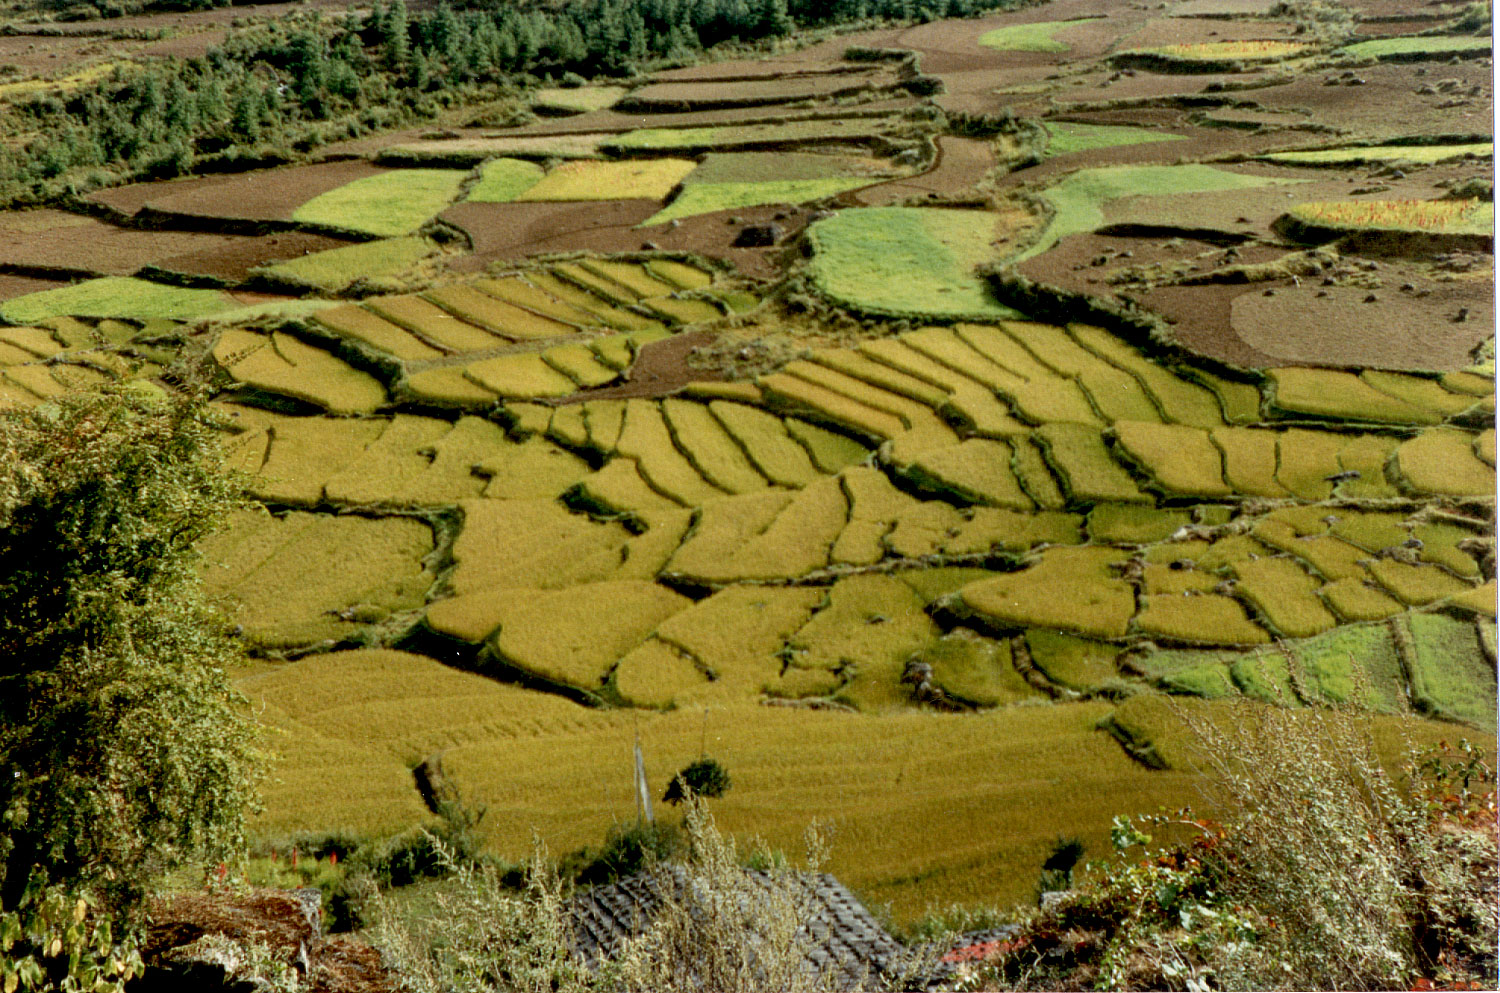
column 122, row 752
column 704, row 777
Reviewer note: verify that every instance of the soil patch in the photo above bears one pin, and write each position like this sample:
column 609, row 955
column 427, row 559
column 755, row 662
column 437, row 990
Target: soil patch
column 1388, row 104
column 266, row 194
column 685, row 96
column 1335, row 325
column 73, row 243
column 234, row 260
column 961, row 164
column 750, row 69
column 1193, row 31
column 18, row 286
column 660, row 368
column 514, row 231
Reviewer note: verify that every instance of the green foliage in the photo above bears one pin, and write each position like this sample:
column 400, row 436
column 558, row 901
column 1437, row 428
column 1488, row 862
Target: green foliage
column 703, row 777
column 909, row 261
column 627, row 849
column 125, row 753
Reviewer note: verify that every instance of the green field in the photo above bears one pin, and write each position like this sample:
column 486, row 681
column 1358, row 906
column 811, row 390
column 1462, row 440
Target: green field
column 389, row 205
column 578, row 99
column 907, row 261
column 502, row 180
column 336, row 268
column 1422, row 46
column 118, row 297
column 646, row 179
column 1355, row 155
column 1037, row 37
column 1067, row 137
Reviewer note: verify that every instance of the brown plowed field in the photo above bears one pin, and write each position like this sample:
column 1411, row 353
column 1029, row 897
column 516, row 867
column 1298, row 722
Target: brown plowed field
column 505, row 232
column 1388, row 105
column 961, row 164
column 37, row 55
column 234, row 259
column 1340, row 325
column 74, row 242
column 746, row 69
column 1195, row 31
column 267, row 194
column 684, row 96
column 619, row 121
column 18, row 286
column 660, row 368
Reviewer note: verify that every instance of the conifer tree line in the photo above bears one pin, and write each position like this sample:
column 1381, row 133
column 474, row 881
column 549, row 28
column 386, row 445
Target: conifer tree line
column 274, row 90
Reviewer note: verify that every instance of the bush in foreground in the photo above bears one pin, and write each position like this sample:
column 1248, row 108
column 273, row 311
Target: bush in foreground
column 1328, row 875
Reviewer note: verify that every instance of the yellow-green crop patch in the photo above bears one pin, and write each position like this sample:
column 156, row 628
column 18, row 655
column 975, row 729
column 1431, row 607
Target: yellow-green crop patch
column 533, row 543
column 502, row 180
column 1263, row 50
column 336, row 268
column 575, row 636
column 1134, row 524
column 519, row 293
column 1442, row 461
column 977, row 470
column 358, row 324
column 281, row 363
column 1181, row 459
column 306, row 579
column 630, row 179
column 1204, row 619
column 1442, row 216
column 433, row 324
column 1067, row 137
column 481, row 309
column 116, row 296
column 831, row 406
column 1306, row 460
column 1070, row 589
column 1077, row 663
column 711, row 449
column 1088, row 474
column 976, row 671
column 865, row 633
column 388, row 205
column 579, row 363
column 644, row 437
column 446, row 386
column 1180, row 401
column 1360, row 154
column 519, row 376
column 1114, row 392
column 907, row 261
column 767, row 443
column 576, row 99
column 796, row 542
column 1285, row 595
column 1337, row 395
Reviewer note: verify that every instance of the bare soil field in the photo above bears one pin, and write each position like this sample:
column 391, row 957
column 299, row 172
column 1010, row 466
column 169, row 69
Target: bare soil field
column 270, row 194
column 961, row 164
column 77, row 243
column 512, row 231
column 19, row 286
column 713, row 94
column 1389, row 104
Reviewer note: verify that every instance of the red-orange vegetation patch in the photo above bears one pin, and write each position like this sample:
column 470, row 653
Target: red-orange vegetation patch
column 514, row 231
column 266, row 194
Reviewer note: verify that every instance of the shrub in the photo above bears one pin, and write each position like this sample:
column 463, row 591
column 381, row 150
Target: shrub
column 702, row 778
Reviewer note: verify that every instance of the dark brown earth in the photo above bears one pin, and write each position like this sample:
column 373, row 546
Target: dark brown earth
column 18, row 286
column 511, row 231
column 70, row 243
column 266, row 194
column 961, row 164
column 660, row 368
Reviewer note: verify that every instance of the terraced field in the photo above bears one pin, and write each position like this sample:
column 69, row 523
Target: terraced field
column 723, row 407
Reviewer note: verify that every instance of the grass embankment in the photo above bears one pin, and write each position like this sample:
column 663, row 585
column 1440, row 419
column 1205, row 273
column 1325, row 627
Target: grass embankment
column 1067, row 137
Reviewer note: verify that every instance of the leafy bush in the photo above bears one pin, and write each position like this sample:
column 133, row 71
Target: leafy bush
column 703, row 778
